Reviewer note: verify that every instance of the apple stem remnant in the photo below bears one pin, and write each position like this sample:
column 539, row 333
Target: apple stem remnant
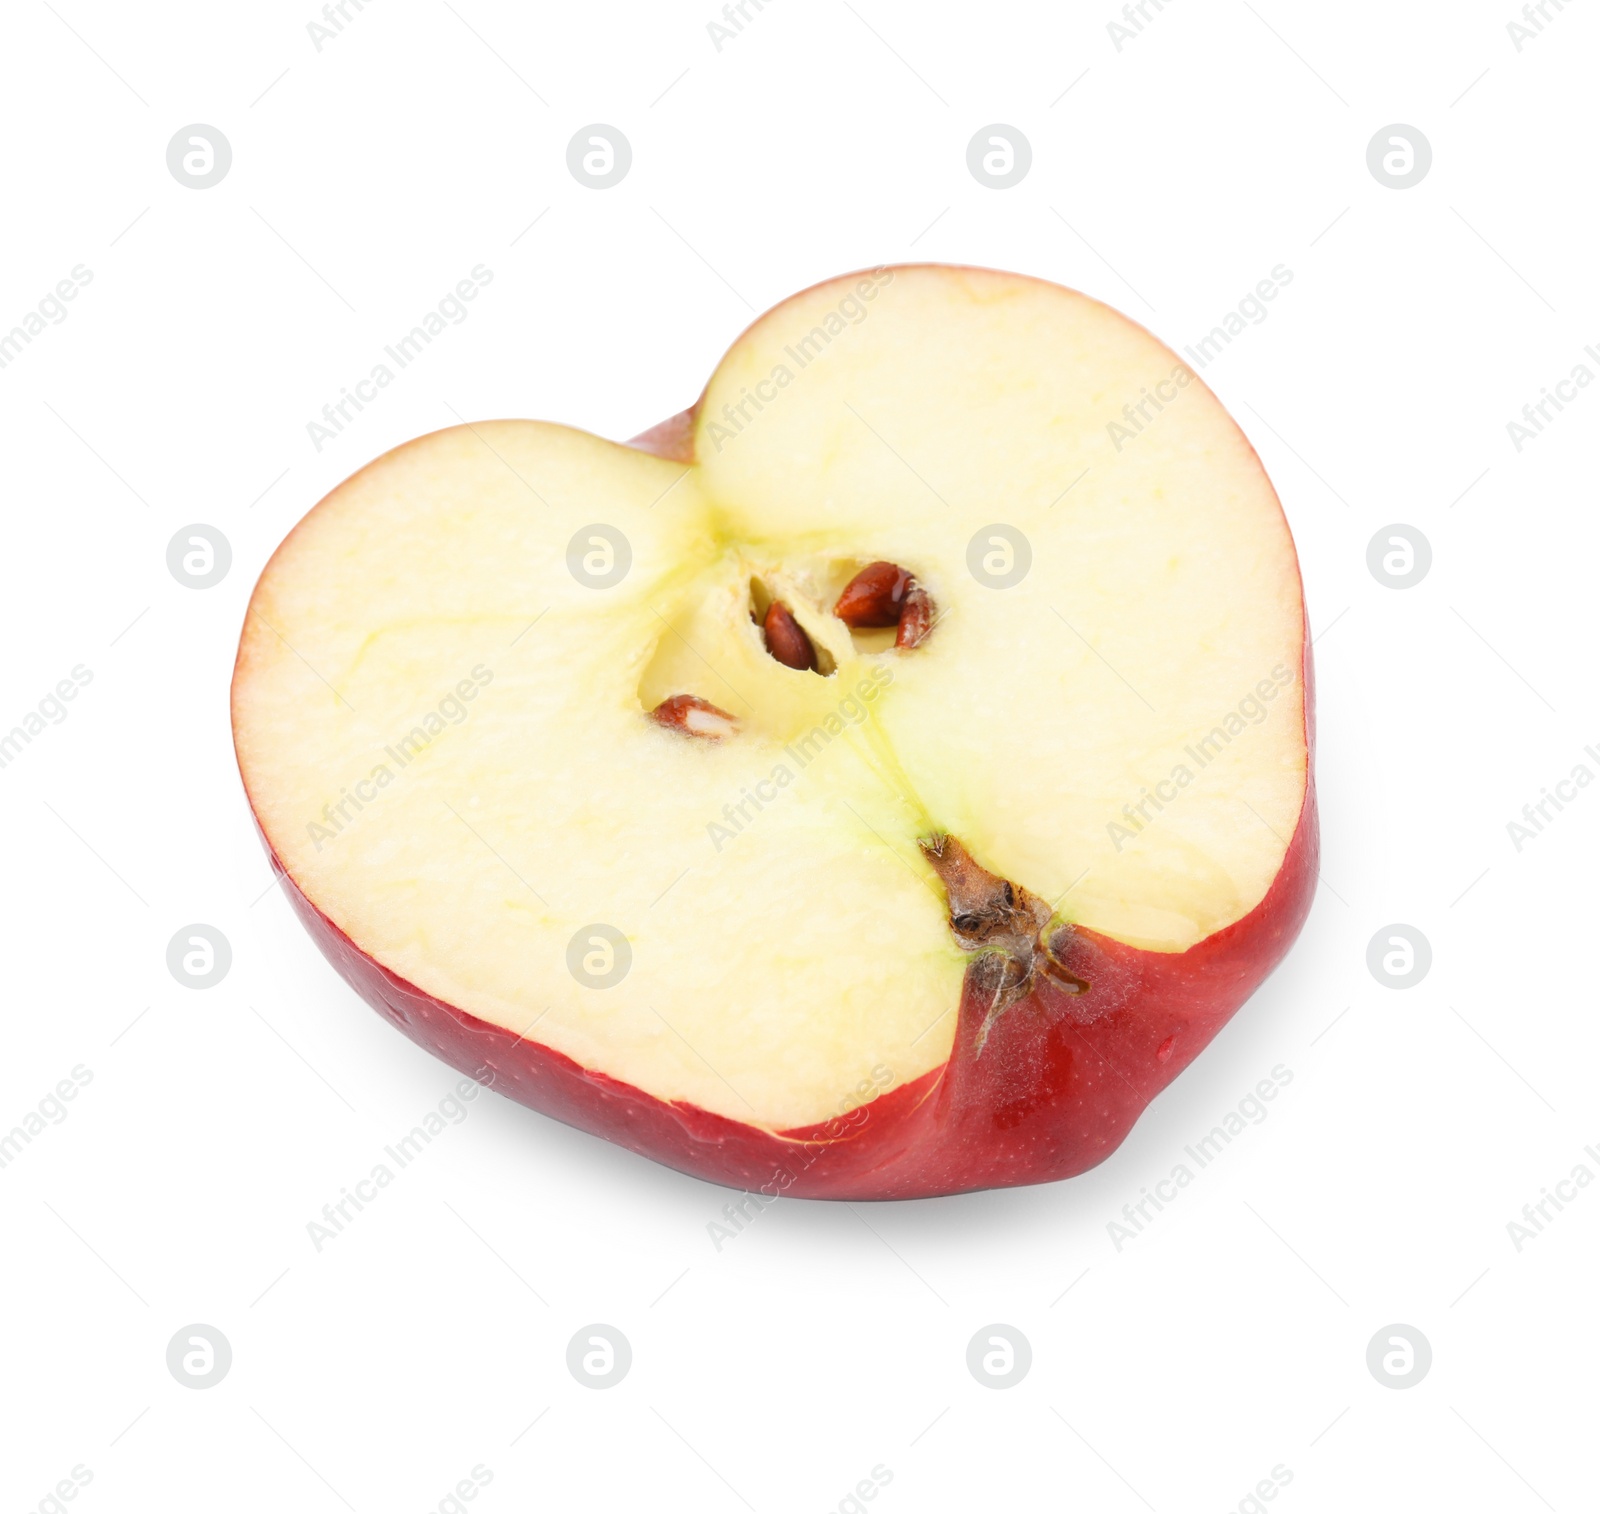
column 884, row 594
column 1004, row 925
column 787, row 641
column 694, row 717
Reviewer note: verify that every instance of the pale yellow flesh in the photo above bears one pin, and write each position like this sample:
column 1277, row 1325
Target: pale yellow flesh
column 789, row 945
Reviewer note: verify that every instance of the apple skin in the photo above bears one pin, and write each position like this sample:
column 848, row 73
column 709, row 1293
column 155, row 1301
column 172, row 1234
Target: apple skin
column 1055, row 1090
column 1051, row 1095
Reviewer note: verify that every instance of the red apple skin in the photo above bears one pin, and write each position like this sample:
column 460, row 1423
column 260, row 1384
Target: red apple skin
column 1054, row 1091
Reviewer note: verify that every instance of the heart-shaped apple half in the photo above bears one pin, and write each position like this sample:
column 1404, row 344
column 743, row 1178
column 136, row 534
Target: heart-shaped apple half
column 879, row 781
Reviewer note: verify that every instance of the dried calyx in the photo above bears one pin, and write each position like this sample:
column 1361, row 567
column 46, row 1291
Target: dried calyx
column 1008, row 930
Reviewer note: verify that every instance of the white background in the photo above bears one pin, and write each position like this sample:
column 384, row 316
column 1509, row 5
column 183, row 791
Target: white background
column 1231, row 1336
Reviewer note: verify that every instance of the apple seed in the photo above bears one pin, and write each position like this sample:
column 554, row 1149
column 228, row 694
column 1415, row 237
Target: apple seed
column 884, row 594
column 787, row 641
column 916, row 618
column 694, row 717
column 873, row 598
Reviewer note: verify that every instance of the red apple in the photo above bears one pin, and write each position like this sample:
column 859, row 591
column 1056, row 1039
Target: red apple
column 878, row 781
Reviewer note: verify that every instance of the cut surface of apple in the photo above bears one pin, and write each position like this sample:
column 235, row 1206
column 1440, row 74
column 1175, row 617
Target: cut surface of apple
column 586, row 764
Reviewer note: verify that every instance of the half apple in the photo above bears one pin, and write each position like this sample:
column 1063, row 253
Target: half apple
column 879, row 781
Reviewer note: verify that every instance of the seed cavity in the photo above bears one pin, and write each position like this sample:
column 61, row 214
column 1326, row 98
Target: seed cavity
column 694, row 716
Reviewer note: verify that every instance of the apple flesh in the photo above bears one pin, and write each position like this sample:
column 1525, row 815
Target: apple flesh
column 908, row 915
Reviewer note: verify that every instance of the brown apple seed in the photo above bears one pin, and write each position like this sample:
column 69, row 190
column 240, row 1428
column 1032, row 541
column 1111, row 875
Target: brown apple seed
column 916, row 618
column 787, row 641
column 884, row 594
column 694, row 717
column 873, row 598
